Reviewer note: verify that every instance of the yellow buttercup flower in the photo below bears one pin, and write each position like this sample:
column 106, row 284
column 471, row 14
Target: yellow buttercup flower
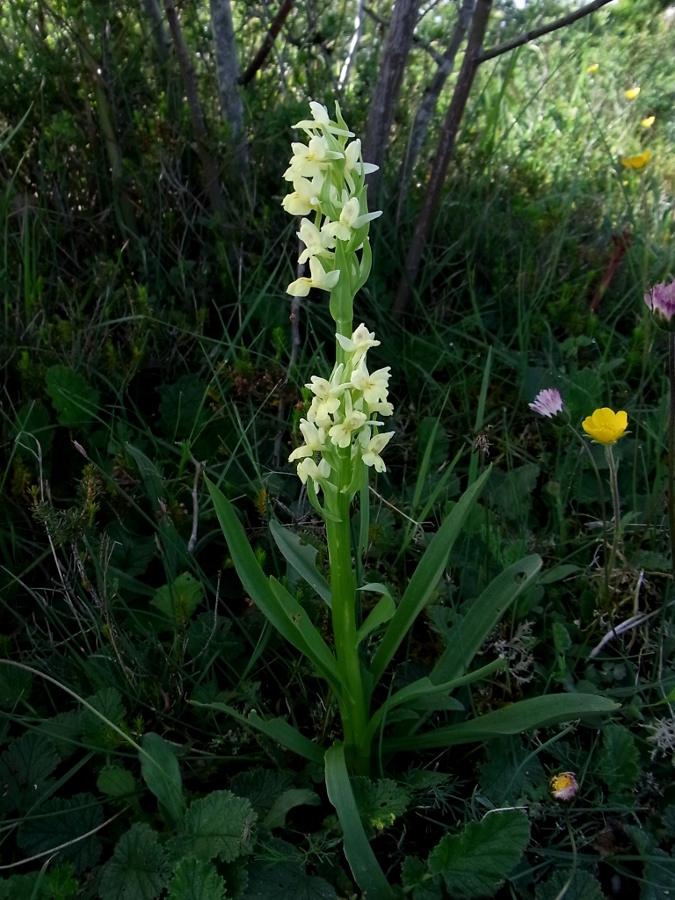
column 605, row 426
column 593, row 68
column 648, row 122
column 636, row 162
column 632, row 93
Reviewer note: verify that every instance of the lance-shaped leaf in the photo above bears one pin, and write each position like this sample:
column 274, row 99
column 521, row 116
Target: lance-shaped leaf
column 525, row 715
column 161, row 773
column 365, row 867
column 425, row 578
column 379, row 614
column 471, row 630
column 302, row 557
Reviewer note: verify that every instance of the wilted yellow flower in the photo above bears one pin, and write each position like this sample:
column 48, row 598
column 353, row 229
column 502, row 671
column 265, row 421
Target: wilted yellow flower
column 648, row 122
column 632, row 93
column 636, row 162
column 593, row 68
column 564, row 786
column 605, row 426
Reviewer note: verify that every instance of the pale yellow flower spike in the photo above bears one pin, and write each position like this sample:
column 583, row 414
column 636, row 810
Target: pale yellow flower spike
column 606, row 426
column 632, row 93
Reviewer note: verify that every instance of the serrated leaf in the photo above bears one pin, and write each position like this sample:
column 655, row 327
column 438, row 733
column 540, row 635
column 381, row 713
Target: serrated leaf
column 58, row 821
column 161, row 773
column 179, row 600
column 286, row 879
column 196, row 879
column 219, row 825
column 116, row 782
column 33, row 426
column 581, row 886
column 511, row 774
column 261, row 787
column 415, row 878
column 619, row 760
column 64, row 729
column 25, row 767
column 475, row 862
column 73, row 398
column 20, row 887
column 276, row 818
column 138, row 868
column 379, row 802
column 131, row 553
column 59, row 883
column 96, row 731
column 15, row 685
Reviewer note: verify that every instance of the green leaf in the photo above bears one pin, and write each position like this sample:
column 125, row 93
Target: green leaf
column 116, row 783
column 537, row 712
column 73, row 398
column 196, row 879
column 33, row 426
column 362, row 862
column 469, row 633
column 379, row 802
column 316, row 648
column 181, row 406
column 59, row 821
column 64, row 729
column 619, row 761
column 97, row 733
column 131, row 553
column 302, row 557
column 558, row 573
column 256, row 584
column 512, row 775
column 414, row 878
column 138, row 868
column 475, row 862
column 286, row 879
column 276, row 818
column 22, row 887
column 15, row 685
column 580, row 886
column 161, row 773
column 179, row 600
column 425, row 578
column 381, row 612
column 277, row 729
column 25, row 767
column 219, row 825
column 261, row 787
column 59, row 883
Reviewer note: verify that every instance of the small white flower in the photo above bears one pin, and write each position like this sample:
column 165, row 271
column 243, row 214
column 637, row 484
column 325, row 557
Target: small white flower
column 308, row 160
column 309, row 469
column 321, row 121
column 315, row 440
column 341, row 433
column 326, row 400
column 354, row 163
column 305, row 197
column 372, row 447
column 359, row 342
column 350, row 220
column 326, row 281
column 317, row 243
column 373, row 385
column 383, row 408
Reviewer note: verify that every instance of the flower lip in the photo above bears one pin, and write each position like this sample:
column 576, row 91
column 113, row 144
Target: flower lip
column 606, row 426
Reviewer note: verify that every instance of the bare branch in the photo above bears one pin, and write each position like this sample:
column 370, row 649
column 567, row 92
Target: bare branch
column 274, row 29
column 543, row 29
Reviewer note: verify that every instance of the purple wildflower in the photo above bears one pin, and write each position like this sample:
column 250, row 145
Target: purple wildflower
column 547, row 403
column 661, row 301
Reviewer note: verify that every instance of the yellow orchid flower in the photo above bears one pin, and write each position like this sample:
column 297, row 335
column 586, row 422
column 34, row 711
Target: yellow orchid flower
column 593, row 68
column 632, row 93
column 648, row 122
column 636, row 162
column 605, row 426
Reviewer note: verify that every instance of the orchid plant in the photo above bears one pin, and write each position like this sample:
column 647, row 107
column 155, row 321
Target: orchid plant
column 344, row 443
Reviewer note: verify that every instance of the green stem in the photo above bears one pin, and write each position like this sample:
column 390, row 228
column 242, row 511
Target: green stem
column 611, row 462
column 671, row 447
column 343, row 590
